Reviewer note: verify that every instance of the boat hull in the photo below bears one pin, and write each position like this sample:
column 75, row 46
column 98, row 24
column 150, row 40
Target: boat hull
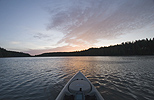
column 79, row 88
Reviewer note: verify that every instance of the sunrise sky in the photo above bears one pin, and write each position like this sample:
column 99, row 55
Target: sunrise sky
column 39, row 26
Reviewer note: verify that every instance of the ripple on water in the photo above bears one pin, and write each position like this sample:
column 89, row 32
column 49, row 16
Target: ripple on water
column 116, row 78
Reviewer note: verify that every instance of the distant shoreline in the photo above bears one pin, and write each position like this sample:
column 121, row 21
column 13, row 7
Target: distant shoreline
column 144, row 47
column 139, row 47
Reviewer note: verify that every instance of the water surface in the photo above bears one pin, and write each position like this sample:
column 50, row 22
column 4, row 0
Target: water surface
column 116, row 78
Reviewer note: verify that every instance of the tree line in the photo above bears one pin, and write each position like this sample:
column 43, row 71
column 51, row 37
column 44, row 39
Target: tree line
column 138, row 47
column 6, row 53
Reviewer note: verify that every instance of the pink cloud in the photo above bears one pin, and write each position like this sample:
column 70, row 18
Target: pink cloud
column 90, row 20
column 66, row 48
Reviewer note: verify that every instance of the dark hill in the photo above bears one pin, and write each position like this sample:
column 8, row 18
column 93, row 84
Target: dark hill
column 139, row 47
column 6, row 53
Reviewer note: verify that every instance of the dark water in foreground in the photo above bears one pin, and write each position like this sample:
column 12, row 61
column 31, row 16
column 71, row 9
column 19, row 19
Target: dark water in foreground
column 116, row 78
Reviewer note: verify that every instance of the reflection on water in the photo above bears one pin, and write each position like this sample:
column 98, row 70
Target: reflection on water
column 116, row 78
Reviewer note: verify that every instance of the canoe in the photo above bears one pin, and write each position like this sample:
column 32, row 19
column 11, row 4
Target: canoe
column 79, row 88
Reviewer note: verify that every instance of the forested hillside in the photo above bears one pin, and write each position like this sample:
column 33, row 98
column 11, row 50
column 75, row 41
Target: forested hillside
column 5, row 53
column 138, row 47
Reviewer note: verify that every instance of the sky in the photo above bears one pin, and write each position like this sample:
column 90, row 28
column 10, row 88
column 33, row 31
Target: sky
column 39, row 26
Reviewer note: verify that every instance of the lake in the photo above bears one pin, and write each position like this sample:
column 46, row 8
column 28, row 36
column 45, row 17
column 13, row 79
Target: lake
column 42, row 78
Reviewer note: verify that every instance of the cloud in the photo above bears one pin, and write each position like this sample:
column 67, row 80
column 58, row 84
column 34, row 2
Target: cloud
column 15, row 42
column 86, row 21
column 40, row 35
column 50, row 36
column 66, row 48
column 81, row 24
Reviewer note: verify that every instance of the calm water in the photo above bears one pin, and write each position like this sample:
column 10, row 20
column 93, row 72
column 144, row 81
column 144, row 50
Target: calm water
column 116, row 78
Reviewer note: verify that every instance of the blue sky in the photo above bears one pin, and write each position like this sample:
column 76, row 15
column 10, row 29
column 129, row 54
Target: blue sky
column 38, row 26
